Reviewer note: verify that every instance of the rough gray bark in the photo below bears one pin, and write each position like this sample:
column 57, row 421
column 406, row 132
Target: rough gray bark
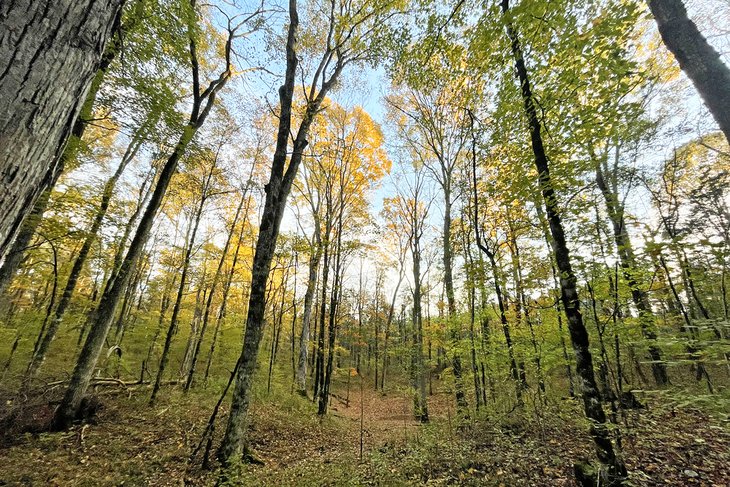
column 697, row 58
column 49, row 52
column 14, row 256
column 613, row 471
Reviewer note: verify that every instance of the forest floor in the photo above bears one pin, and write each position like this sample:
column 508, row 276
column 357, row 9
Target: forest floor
column 131, row 443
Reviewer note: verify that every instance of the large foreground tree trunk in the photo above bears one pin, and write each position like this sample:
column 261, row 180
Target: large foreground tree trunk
column 613, row 471
column 697, row 58
column 49, row 52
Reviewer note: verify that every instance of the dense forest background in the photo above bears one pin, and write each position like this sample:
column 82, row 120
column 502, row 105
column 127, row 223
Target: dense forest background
column 365, row 242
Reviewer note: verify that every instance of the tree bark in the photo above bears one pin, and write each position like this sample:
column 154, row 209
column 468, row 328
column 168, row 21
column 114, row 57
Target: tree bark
column 49, row 52
column 14, row 256
column 697, row 58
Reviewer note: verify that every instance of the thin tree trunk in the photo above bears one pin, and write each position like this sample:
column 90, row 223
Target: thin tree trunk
column 172, row 330
column 301, row 377
column 388, row 322
column 224, row 298
column 418, row 376
column 628, row 265
column 332, row 325
column 101, row 319
column 453, row 325
column 211, row 294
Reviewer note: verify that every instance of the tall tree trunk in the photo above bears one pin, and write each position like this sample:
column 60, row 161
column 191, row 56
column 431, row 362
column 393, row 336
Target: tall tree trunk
column 332, row 322
column 522, row 305
column 224, row 297
column 697, row 58
column 388, row 322
column 201, row 295
column 613, row 470
column 14, row 256
column 319, row 361
column 49, row 52
column 454, row 330
column 418, row 375
column 277, row 191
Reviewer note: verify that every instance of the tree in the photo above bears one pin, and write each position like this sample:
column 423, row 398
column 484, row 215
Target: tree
column 406, row 215
column 434, row 126
column 697, row 58
column 613, row 469
column 50, row 53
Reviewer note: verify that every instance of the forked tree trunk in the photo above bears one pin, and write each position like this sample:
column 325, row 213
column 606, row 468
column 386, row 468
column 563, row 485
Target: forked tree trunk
column 277, row 191
column 49, row 52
